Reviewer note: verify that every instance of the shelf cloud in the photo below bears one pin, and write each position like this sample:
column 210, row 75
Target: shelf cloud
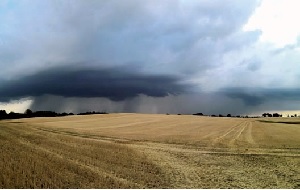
column 112, row 83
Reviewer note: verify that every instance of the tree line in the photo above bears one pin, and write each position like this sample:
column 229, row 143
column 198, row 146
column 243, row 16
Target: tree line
column 228, row 115
column 271, row 115
column 238, row 116
column 29, row 113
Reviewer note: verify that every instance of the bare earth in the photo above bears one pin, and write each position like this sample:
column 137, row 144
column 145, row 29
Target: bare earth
column 149, row 151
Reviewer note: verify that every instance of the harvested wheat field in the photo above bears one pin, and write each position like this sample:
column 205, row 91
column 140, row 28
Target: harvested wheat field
column 149, row 151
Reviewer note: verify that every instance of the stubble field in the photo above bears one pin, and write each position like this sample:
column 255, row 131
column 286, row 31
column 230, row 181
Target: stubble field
column 149, row 151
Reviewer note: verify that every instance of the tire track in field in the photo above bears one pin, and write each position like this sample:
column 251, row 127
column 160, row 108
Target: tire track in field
column 227, row 134
column 97, row 170
column 180, row 172
column 243, row 136
column 84, row 135
column 176, row 148
column 178, row 162
column 240, row 134
column 237, row 133
column 249, row 134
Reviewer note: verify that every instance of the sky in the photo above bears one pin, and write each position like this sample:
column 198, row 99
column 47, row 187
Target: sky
column 150, row 56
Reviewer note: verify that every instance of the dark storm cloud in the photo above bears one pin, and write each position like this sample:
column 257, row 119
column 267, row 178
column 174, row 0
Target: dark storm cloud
column 258, row 96
column 165, row 36
column 116, row 83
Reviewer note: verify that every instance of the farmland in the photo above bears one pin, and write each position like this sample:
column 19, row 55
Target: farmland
column 149, row 151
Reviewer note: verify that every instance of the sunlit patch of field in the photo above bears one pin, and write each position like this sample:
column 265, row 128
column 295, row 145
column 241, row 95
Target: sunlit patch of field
column 150, row 151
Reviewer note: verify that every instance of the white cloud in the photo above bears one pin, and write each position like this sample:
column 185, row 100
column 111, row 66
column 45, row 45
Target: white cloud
column 277, row 19
column 17, row 106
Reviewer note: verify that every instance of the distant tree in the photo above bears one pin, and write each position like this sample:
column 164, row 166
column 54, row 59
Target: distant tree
column 198, row 114
column 295, row 115
column 89, row 113
column 45, row 114
column 28, row 112
column 276, row 115
column 228, row 115
column 220, row 115
column 13, row 115
column 267, row 115
column 63, row 114
column 3, row 112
